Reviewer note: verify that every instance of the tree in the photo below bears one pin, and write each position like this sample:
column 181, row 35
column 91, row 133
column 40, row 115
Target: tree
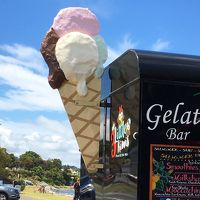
column 29, row 160
column 55, row 177
column 67, row 174
column 32, row 167
column 5, row 159
column 38, row 171
column 52, row 163
column 56, row 163
column 14, row 161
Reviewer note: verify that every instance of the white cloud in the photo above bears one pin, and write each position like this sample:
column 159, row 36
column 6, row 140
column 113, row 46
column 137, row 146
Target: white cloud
column 160, row 45
column 5, row 135
column 24, row 56
column 23, row 72
column 126, row 44
column 19, row 137
column 52, row 125
column 32, row 136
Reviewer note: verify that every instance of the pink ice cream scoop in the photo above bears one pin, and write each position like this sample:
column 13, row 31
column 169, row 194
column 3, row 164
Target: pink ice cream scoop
column 75, row 19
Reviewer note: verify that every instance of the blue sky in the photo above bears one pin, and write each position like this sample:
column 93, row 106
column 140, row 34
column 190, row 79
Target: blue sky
column 31, row 113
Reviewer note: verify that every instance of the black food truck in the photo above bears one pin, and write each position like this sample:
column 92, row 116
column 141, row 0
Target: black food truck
column 150, row 129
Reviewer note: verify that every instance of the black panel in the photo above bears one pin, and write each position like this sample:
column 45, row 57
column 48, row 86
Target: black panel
column 170, row 116
column 168, row 66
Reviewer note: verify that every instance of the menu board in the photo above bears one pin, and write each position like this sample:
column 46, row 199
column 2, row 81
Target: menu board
column 174, row 172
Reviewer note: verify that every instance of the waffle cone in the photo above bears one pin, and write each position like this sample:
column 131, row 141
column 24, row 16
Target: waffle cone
column 84, row 118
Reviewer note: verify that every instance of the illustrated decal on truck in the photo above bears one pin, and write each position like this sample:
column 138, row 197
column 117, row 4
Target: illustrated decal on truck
column 120, row 135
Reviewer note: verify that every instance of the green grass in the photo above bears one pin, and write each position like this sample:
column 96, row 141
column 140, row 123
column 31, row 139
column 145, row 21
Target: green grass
column 31, row 191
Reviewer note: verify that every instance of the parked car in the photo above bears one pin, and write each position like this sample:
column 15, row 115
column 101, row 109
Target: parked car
column 27, row 182
column 87, row 189
column 8, row 193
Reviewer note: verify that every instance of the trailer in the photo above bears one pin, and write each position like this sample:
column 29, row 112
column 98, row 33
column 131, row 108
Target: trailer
column 149, row 143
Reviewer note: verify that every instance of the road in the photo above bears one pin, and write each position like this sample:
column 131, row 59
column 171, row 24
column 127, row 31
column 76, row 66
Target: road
column 26, row 198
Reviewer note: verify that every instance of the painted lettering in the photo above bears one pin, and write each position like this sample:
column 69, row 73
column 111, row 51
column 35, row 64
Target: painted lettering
column 157, row 117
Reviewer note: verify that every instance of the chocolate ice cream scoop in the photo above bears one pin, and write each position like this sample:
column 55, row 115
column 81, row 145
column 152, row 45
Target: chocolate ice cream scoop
column 56, row 75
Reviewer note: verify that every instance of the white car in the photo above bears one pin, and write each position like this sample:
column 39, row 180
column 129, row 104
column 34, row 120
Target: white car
column 9, row 193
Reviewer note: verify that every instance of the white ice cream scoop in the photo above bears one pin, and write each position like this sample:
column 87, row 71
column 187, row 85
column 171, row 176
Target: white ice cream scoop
column 78, row 57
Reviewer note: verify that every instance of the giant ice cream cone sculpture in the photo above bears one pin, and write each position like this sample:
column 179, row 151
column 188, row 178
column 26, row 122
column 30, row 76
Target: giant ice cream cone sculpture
column 75, row 54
